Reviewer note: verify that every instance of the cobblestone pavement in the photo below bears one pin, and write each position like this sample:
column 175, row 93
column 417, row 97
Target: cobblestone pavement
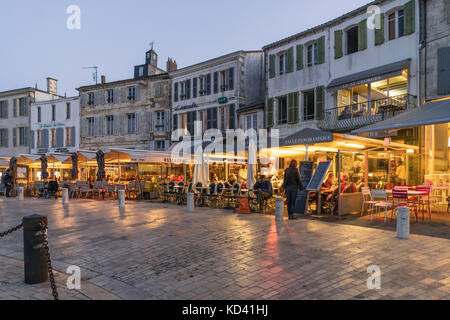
column 158, row 251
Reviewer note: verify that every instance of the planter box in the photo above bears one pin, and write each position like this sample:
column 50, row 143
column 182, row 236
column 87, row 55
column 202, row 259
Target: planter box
column 351, row 203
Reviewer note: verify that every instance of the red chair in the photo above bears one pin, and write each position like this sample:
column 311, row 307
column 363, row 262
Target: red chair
column 424, row 201
column 401, row 199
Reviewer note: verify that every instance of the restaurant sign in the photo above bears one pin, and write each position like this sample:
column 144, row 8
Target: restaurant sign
column 308, row 136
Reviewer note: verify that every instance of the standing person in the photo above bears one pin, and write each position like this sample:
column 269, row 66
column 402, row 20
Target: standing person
column 292, row 184
column 400, row 173
column 8, row 181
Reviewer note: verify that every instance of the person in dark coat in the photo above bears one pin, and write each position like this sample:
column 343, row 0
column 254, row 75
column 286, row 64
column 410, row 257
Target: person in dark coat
column 263, row 189
column 8, row 181
column 292, row 184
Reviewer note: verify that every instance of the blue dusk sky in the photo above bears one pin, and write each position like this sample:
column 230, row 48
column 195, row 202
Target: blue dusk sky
column 114, row 34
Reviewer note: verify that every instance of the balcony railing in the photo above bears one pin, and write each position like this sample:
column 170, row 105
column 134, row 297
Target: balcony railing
column 358, row 115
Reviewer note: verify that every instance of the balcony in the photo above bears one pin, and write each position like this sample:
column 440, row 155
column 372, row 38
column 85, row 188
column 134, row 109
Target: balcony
column 357, row 115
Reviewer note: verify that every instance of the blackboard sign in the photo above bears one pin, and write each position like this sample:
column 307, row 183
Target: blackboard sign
column 321, row 171
column 301, row 202
column 306, row 169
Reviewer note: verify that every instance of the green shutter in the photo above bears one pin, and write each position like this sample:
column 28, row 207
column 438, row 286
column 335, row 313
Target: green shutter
column 299, row 57
column 293, row 108
column 321, row 50
column 296, row 107
column 269, row 112
column 290, row 60
column 410, row 17
column 272, row 66
column 320, row 102
column 338, row 44
column 379, row 33
column 362, row 35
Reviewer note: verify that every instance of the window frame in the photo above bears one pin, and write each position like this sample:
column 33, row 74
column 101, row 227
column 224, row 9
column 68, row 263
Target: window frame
column 109, row 125
column 131, row 118
column 91, row 99
column 131, row 96
column 282, row 120
column 305, row 116
column 91, row 126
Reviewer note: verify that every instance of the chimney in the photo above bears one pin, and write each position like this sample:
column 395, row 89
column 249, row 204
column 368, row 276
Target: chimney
column 171, row 65
column 103, row 79
column 52, row 86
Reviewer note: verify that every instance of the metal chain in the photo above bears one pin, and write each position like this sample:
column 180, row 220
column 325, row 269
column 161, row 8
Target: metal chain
column 2, row 234
column 49, row 261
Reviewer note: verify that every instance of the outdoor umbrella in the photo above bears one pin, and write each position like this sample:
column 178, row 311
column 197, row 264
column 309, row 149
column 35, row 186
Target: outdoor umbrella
column 44, row 173
column 251, row 169
column 205, row 170
column 74, row 166
column 101, row 165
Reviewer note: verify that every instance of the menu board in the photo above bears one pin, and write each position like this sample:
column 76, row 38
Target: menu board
column 319, row 175
column 306, row 169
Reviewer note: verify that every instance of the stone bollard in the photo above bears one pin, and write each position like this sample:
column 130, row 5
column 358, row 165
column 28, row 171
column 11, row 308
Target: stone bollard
column 279, row 209
column 20, row 193
column 121, row 198
column 34, row 258
column 190, row 202
column 65, row 196
column 403, row 223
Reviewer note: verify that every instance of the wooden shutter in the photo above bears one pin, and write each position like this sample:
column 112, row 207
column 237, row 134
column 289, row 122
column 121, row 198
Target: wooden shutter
column 73, row 137
column 269, row 112
column 188, row 88
column 152, row 145
column 299, row 57
column 44, row 137
column 320, row 102
column 321, row 50
column 116, row 95
column 167, row 120
column 123, row 94
column 82, row 124
column 83, row 100
column 15, row 103
column 122, row 124
column 362, row 35
column 102, row 97
column 272, row 59
column 290, row 101
column 59, row 137
column 290, row 60
column 296, row 107
column 443, row 71
column 137, row 122
column 31, row 140
column 216, row 82
column 379, row 33
column 14, row 137
column 208, row 84
column 175, row 92
column 231, row 79
column 194, row 88
column 410, row 17
column 338, row 52
column 138, row 93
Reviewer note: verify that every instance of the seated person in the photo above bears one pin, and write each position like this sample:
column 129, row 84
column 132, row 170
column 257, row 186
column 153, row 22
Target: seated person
column 347, row 187
column 214, row 178
column 263, row 190
column 329, row 182
column 232, row 179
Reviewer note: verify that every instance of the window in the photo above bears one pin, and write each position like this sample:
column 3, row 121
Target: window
column 159, row 90
column 109, row 125
column 312, row 54
column 252, row 121
column 68, row 110
column 175, row 92
column 190, row 119
column 203, row 85
column 131, row 123
column 53, row 137
column 283, row 63
column 160, row 121
column 23, row 112
column 308, row 105
column 4, row 138
column 39, row 117
column 185, row 90
column 91, row 99
column 160, row 145
column 110, row 96
column 39, row 138
column 91, row 127
column 352, row 40
column 396, row 24
column 282, row 110
column 53, row 112
column 69, row 137
column 224, row 80
column 211, row 118
column 131, row 94
column 4, row 109
column 141, row 71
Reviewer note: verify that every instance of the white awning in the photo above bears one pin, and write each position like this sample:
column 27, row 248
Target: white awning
column 88, row 154
column 30, row 157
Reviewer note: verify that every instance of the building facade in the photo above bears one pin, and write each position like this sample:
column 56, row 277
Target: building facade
column 15, row 117
column 347, row 73
column 219, row 91
column 55, row 126
column 130, row 114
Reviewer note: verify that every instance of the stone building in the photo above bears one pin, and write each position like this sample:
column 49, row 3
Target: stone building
column 15, row 117
column 222, row 93
column 132, row 113
column 55, row 126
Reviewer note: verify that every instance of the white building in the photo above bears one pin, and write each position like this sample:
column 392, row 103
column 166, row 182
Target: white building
column 344, row 74
column 55, row 126
column 15, row 117
column 218, row 91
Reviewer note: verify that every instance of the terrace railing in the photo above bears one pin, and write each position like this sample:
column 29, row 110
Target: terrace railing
column 357, row 115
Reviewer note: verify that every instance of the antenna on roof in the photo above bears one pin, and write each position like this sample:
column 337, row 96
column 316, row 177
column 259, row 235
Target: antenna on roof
column 35, row 86
column 95, row 74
